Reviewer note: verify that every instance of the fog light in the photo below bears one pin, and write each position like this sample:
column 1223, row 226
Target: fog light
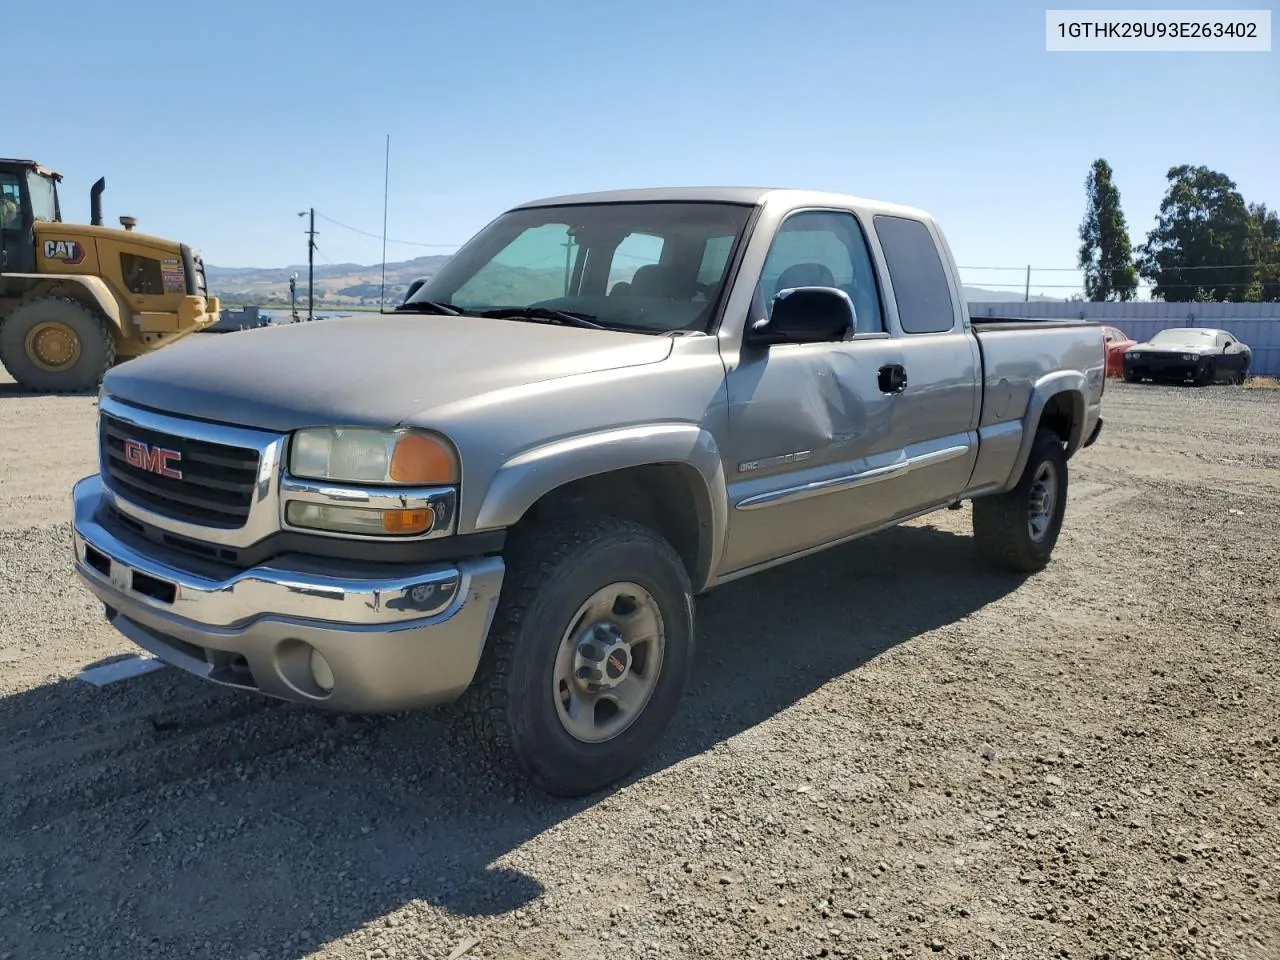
column 321, row 673
column 366, row 520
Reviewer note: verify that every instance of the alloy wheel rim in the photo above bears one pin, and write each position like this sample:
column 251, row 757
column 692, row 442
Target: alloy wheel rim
column 1042, row 501
column 608, row 662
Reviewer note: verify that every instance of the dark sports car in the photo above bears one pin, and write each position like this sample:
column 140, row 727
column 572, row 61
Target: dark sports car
column 1200, row 354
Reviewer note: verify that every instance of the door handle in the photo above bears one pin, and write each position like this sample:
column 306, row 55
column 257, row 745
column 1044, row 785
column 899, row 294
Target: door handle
column 892, row 378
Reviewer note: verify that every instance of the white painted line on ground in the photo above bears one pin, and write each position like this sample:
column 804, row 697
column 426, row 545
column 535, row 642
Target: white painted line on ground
column 125, row 669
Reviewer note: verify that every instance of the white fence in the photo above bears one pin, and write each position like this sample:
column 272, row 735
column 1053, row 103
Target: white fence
column 1257, row 324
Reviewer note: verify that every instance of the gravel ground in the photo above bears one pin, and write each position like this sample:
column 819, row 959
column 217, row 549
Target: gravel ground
column 888, row 751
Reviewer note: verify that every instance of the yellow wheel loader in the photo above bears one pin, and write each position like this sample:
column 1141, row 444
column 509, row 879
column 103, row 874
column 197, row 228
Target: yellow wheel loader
column 75, row 299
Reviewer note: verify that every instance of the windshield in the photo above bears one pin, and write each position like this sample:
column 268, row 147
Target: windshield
column 1183, row 338
column 651, row 267
column 44, row 196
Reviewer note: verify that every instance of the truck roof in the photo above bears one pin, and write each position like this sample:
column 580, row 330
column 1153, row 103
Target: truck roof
column 751, row 196
column 30, row 165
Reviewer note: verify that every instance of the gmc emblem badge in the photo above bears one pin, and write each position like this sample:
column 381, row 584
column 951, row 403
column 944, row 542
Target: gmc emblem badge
column 152, row 459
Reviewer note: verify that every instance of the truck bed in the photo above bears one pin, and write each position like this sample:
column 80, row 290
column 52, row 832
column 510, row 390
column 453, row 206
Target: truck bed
column 1028, row 323
column 1022, row 358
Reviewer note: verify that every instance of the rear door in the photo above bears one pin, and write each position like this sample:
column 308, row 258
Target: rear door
column 936, row 415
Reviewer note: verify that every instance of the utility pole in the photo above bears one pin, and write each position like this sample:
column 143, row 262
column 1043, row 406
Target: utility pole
column 1026, row 296
column 386, row 192
column 311, row 263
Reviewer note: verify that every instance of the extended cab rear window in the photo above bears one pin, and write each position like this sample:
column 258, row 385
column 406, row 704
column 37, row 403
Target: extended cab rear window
column 918, row 277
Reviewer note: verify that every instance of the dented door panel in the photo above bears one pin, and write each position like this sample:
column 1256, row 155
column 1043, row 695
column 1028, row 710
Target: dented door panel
column 808, row 430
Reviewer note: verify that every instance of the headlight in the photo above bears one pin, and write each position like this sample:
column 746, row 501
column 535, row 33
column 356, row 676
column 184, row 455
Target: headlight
column 364, row 455
column 1188, row 356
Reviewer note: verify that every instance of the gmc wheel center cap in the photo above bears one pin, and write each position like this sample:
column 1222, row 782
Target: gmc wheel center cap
column 603, row 658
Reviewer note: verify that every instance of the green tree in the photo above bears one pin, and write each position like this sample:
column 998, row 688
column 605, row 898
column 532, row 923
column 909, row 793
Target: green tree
column 1199, row 249
column 1264, row 253
column 1105, row 253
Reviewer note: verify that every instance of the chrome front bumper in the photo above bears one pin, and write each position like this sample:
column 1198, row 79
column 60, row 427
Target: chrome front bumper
column 393, row 642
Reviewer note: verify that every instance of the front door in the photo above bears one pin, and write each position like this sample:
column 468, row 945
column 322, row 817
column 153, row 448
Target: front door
column 17, row 241
column 810, row 424
column 1231, row 363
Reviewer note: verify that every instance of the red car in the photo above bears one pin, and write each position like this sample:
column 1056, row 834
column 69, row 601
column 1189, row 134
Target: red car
column 1116, row 343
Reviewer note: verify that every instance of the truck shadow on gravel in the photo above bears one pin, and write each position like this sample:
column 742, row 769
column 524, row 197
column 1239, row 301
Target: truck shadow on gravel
column 165, row 817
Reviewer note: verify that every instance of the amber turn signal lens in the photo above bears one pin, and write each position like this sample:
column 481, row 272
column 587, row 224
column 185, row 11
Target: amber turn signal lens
column 408, row 521
column 419, row 459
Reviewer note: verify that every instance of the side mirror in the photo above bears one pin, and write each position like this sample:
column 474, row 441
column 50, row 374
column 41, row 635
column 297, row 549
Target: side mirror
column 413, row 288
column 807, row 315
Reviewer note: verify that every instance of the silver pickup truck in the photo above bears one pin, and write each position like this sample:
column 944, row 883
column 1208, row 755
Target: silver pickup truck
column 509, row 492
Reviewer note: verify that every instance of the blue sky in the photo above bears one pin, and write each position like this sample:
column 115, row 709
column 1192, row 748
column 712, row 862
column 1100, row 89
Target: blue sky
column 215, row 123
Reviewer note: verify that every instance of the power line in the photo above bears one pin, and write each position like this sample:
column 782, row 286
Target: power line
column 1034, row 269
column 1141, row 286
column 378, row 236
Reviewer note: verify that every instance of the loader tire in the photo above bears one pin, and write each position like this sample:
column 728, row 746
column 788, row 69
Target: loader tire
column 56, row 345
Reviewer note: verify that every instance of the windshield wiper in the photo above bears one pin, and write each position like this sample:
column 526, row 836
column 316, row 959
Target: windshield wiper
column 428, row 306
column 568, row 318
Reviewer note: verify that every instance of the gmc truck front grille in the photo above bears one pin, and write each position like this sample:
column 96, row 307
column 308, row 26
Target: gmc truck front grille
column 209, row 484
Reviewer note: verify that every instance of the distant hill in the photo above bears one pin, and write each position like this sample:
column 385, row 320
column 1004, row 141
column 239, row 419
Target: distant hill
column 336, row 284
column 353, row 284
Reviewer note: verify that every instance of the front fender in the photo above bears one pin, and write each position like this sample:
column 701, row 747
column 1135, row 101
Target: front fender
column 530, row 475
column 1070, row 382
column 90, row 289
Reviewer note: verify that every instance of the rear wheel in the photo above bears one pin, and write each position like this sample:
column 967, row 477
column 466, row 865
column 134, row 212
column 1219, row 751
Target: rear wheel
column 588, row 657
column 1018, row 529
column 56, row 345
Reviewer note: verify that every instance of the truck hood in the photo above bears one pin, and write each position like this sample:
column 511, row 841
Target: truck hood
column 364, row 371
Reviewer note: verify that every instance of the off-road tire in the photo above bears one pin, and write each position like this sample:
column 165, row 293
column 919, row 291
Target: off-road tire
column 508, row 714
column 97, row 346
column 1000, row 521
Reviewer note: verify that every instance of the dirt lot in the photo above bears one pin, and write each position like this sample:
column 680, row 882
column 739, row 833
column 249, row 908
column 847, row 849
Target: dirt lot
column 888, row 751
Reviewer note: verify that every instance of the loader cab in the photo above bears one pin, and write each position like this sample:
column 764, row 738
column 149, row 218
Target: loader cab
column 28, row 193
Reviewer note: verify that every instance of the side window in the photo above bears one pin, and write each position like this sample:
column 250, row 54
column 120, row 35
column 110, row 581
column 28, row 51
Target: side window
column 827, row 249
column 919, row 280
column 1223, row 341
column 10, row 201
column 141, row 274
column 635, row 251
column 524, row 272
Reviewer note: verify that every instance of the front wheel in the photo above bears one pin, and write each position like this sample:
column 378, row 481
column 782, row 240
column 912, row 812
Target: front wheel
column 588, row 658
column 1018, row 529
